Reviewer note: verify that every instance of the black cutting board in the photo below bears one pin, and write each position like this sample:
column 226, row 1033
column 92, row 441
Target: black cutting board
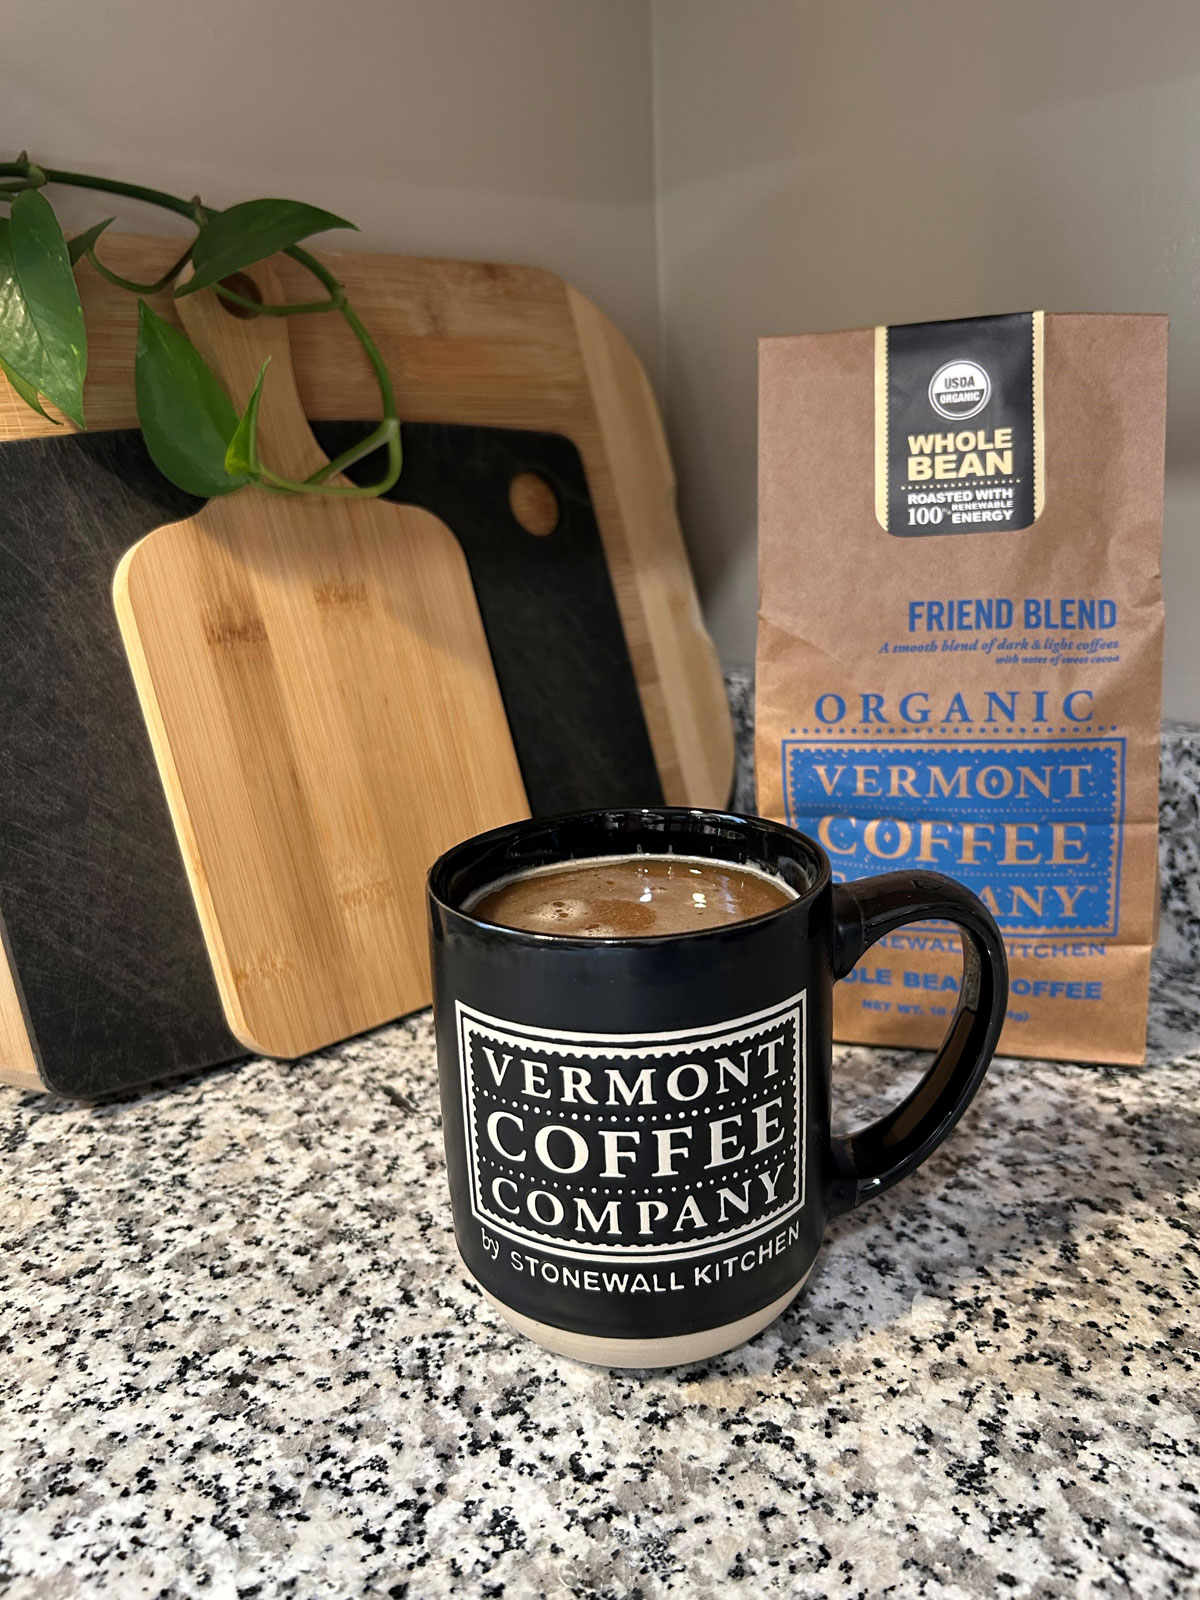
column 95, row 907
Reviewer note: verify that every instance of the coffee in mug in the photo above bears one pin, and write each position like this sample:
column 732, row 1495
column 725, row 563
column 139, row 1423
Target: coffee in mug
column 637, row 1122
column 632, row 897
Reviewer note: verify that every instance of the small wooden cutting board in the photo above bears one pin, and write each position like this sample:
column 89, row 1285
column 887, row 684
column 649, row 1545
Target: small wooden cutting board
column 325, row 716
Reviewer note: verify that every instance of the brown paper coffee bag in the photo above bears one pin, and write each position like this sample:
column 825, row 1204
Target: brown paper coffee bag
column 960, row 651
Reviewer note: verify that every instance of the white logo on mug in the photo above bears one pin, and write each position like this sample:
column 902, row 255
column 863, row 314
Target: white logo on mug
column 662, row 1145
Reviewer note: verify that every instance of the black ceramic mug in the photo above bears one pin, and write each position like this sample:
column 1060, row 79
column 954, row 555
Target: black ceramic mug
column 637, row 1130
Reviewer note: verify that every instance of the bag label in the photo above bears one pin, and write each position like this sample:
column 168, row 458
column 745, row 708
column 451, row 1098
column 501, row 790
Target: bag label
column 1031, row 825
column 662, row 1147
column 959, row 444
column 986, row 708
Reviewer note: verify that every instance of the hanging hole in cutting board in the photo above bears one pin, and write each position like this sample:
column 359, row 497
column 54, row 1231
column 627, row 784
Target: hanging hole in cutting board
column 534, row 504
column 241, row 283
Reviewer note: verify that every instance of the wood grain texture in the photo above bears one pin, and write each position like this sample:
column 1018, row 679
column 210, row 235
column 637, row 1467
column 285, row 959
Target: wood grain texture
column 686, row 690
column 551, row 618
column 18, row 1060
column 507, row 346
column 325, row 714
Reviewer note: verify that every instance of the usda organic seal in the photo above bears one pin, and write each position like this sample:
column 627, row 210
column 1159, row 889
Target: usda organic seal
column 960, row 389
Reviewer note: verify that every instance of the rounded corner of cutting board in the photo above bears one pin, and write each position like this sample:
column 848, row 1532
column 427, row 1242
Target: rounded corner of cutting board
column 427, row 523
column 120, row 578
column 124, row 583
column 289, row 1043
column 277, row 1050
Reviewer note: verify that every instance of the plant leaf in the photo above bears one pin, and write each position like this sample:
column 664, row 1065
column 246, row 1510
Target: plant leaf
column 83, row 242
column 241, row 458
column 42, row 336
column 251, row 232
column 27, row 393
column 187, row 419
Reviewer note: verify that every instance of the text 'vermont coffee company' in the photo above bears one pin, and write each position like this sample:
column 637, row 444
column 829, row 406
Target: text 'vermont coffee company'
column 960, row 647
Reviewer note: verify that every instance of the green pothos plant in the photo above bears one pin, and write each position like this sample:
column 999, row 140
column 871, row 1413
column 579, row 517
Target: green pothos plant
column 192, row 431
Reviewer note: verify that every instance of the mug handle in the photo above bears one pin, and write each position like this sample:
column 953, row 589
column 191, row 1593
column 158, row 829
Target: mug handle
column 879, row 1155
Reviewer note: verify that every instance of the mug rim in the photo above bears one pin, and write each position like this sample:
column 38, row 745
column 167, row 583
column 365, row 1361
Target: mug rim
column 437, row 886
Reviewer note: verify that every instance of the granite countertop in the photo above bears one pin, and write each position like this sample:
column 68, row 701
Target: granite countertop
column 239, row 1356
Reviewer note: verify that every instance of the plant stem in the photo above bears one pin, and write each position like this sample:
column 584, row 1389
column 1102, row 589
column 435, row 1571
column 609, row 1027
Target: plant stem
column 344, row 491
column 84, row 180
column 382, row 376
column 357, row 452
column 162, row 283
column 337, row 292
column 264, row 310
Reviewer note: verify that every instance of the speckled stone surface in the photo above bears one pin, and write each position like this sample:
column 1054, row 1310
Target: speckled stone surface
column 239, row 1357
column 1179, row 841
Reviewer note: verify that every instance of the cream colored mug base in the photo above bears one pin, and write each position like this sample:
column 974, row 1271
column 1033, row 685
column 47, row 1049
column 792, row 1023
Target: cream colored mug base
column 674, row 1351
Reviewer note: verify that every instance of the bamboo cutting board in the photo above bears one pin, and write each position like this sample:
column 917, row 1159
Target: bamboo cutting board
column 109, row 983
column 491, row 345
column 325, row 717
column 105, row 980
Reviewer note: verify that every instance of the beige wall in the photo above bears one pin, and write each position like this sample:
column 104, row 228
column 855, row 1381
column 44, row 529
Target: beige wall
column 817, row 164
column 514, row 130
column 830, row 163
